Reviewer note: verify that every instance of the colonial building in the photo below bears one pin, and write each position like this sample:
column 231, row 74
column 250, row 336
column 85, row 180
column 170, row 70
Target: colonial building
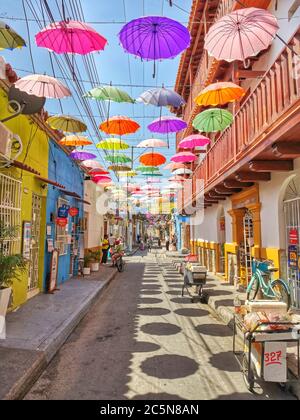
column 251, row 171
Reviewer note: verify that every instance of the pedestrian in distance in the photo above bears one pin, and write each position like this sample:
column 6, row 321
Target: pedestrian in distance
column 167, row 243
column 105, row 248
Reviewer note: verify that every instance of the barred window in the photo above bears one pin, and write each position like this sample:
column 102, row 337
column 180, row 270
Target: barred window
column 62, row 233
column 10, row 211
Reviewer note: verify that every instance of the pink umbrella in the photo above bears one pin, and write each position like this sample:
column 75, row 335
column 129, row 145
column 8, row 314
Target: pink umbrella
column 152, row 143
column 101, row 178
column 241, row 34
column 91, row 164
column 184, row 157
column 43, row 86
column 70, row 37
column 193, row 141
column 173, row 166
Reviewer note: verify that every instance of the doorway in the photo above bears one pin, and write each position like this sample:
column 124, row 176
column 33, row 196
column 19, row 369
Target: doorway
column 33, row 280
column 246, row 248
column 222, row 240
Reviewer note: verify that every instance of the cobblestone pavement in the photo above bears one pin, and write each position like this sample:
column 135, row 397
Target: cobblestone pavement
column 142, row 340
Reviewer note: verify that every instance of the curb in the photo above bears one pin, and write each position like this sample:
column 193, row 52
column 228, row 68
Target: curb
column 51, row 346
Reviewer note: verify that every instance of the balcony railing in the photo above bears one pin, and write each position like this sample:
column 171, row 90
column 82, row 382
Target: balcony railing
column 273, row 98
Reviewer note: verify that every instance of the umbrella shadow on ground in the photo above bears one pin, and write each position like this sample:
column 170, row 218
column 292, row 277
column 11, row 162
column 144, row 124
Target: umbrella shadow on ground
column 169, row 366
column 151, row 292
column 191, row 312
column 214, row 330
column 153, row 311
column 160, row 328
column 150, row 301
column 225, row 361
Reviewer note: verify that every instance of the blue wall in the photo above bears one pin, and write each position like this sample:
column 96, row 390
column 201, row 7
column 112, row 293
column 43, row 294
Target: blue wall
column 64, row 171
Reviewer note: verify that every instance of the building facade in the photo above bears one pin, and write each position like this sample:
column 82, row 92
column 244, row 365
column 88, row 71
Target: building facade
column 251, row 171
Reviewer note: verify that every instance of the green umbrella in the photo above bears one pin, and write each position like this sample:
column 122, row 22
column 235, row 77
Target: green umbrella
column 109, row 93
column 213, row 120
column 151, row 174
column 118, row 158
column 9, row 39
column 147, row 169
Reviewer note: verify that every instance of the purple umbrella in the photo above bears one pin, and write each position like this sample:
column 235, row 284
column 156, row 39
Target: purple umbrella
column 154, row 38
column 161, row 97
column 165, row 125
column 82, row 155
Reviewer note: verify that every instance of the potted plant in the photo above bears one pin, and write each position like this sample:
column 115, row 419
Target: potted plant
column 87, row 268
column 11, row 266
column 95, row 260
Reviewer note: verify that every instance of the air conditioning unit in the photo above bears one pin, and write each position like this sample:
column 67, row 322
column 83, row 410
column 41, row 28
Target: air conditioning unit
column 6, row 137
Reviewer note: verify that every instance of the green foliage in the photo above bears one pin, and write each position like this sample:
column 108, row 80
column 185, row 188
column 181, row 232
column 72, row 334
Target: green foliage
column 95, row 256
column 87, row 260
column 11, row 266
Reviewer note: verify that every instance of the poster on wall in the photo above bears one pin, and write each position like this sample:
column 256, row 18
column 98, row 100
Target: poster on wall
column 293, row 237
column 52, row 285
column 293, row 257
column 26, row 249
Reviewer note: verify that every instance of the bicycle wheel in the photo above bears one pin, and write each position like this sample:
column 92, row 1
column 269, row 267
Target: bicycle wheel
column 253, row 287
column 281, row 292
column 120, row 265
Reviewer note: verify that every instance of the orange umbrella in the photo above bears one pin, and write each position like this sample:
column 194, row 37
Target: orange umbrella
column 119, row 125
column 75, row 141
column 220, row 94
column 152, row 159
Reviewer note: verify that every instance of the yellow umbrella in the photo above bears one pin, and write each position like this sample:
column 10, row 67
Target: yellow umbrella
column 129, row 174
column 112, row 144
column 75, row 141
column 220, row 94
column 67, row 124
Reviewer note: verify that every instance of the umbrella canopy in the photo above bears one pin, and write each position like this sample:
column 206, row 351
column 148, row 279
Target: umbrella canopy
column 82, row 155
column 147, row 169
column 175, row 186
column 66, row 124
column 152, row 143
column 152, row 159
column 177, row 179
column 184, row 157
column 241, row 34
column 183, row 172
column 101, row 178
column 112, row 144
column 91, row 164
column 154, row 38
column 172, row 166
column 119, row 125
column 9, row 39
column 95, row 172
column 117, row 158
column 220, row 94
column 213, row 120
column 103, row 183
column 75, row 141
column 193, row 141
column 119, row 168
column 43, row 86
column 152, row 174
column 70, row 37
column 109, row 93
column 161, row 97
column 129, row 174
column 166, row 125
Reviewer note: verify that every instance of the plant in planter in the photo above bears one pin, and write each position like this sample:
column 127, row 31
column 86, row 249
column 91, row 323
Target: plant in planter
column 95, row 260
column 11, row 266
column 87, row 268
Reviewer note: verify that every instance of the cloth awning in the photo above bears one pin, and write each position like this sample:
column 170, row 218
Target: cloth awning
column 49, row 181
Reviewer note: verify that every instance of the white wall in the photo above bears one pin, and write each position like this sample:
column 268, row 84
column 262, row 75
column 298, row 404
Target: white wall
column 95, row 220
column 271, row 197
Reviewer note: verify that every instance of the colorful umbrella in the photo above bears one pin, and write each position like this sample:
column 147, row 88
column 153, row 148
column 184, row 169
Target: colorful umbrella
column 193, row 141
column 118, row 158
column 66, row 124
column 177, row 179
column 9, row 39
column 241, row 34
column 166, row 125
column 103, row 183
column 112, row 144
column 82, row 155
column 161, row 97
column 172, row 166
column 95, row 172
column 175, row 186
column 184, row 157
column 119, row 168
column 220, row 94
column 97, row 178
column 213, row 120
column 109, row 93
column 129, row 174
column 75, row 141
column 91, row 164
column 70, row 37
column 154, row 38
column 152, row 159
column 147, row 169
column 119, row 125
column 152, row 143
column 43, row 86
column 151, row 174
column 183, row 171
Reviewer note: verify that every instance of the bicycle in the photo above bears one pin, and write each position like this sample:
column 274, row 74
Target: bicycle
column 270, row 288
column 120, row 264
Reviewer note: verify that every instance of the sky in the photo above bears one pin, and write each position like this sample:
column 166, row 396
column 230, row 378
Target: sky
column 113, row 64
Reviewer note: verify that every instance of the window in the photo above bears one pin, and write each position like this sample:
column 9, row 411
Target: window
column 62, row 233
column 10, row 211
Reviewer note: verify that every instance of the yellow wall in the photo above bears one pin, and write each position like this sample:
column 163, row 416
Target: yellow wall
column 35, row 143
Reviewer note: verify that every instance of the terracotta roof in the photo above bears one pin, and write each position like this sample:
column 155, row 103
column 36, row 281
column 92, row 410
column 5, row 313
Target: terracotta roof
column 24, row 167
column 49, row 181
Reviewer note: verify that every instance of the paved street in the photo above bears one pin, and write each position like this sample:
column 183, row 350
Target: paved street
column 141, row 340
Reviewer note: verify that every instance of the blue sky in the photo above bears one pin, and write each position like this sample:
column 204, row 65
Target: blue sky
column 113, row 64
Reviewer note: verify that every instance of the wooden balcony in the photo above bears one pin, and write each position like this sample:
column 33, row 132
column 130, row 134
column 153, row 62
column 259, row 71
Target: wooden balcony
column 270, row 114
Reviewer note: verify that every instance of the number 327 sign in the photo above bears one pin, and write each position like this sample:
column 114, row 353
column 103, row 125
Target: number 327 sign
column 275, row 365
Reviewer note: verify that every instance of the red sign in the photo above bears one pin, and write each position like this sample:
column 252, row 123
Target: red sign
column 293, row 237
column 62, row 221
column 73, row 211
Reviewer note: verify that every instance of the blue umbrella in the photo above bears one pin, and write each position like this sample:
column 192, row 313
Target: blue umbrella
column 161, row 97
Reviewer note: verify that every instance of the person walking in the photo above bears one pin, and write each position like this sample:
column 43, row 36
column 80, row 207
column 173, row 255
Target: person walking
column 167, row 243
column 105, row 248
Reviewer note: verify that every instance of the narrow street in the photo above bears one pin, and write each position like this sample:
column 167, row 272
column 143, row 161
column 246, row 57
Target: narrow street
column 142, row 340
